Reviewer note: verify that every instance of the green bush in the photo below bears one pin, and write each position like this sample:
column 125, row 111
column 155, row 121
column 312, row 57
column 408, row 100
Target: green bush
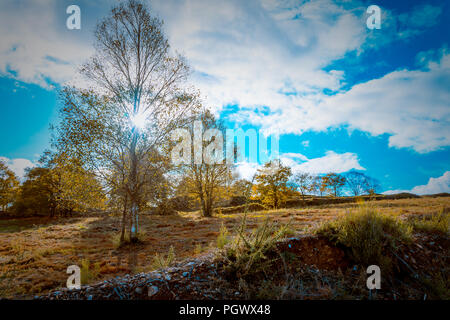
column 368, row 234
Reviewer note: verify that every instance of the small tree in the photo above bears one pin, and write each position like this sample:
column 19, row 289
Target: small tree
column 8, row 186
column 272, row 183
column 316, row 186
column 207, row 180
column 359, row 183
column 35, row 195
column 303, row 181
column 356, row 182
column 334, row 183
column 371, row 186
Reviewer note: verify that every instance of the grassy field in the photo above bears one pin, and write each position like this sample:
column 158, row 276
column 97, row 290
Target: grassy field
column 35, row 253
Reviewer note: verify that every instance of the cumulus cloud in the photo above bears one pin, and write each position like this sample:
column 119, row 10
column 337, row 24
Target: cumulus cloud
column 434, row 185
column 246, row 170
column 410, row 105
column 36, row 46
column 330, row 162
column 255, row 53
column 268, row 54
column 18, row 165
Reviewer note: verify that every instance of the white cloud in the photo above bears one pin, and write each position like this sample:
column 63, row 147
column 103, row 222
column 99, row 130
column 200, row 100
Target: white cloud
column 256, row 54
column 252, row 53
column 272, row 53
column 434, row 185
column 246, row 170
column 36, row 47
column 293, row 155
column 330, row 162
column 18, row 165
column 411, row 106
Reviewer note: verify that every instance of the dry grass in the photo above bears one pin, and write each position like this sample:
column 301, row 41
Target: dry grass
column 35, row 253
column 434, row 223
column 368, row 233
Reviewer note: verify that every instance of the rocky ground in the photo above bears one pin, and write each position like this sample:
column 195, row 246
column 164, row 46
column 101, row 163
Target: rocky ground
column 312, row 268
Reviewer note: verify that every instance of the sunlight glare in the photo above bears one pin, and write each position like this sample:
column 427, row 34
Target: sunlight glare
column 139, row 120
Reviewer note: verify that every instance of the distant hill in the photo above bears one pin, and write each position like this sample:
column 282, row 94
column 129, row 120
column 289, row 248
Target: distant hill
column 437, row 195
column 402, row 195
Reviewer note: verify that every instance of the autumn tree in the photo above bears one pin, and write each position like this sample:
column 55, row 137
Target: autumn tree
column 334, row 183
column 139, row 95
column 35, row 195
column 58, row 186
column 206, row 174
column 239, row 191
column 272, row 183
column 303, row 182
column 316, row 186
column 9, row 184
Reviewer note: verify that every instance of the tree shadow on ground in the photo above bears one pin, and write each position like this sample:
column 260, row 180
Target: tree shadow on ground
column 11, row 225
column 99, row 241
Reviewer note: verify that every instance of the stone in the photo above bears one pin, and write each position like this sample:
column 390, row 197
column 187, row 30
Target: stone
column 152, row 291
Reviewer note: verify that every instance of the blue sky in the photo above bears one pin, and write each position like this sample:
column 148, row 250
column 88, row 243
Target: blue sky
column 340, row 95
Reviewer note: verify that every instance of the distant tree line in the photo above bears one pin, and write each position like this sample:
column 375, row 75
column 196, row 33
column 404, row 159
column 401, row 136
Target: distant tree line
column 59, row 185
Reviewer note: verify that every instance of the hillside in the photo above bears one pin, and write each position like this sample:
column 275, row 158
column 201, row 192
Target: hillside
column 35, row 253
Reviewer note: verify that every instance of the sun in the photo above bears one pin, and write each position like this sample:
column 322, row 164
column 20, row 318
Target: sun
column 139, row 120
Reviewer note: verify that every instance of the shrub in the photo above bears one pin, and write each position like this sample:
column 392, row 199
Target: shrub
column 198, row 249
column 223, row 237
column 368, row 234
column 161, row 262
column 238, row 201
column 89, row 273
column 248, row 254
column 436, row 223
